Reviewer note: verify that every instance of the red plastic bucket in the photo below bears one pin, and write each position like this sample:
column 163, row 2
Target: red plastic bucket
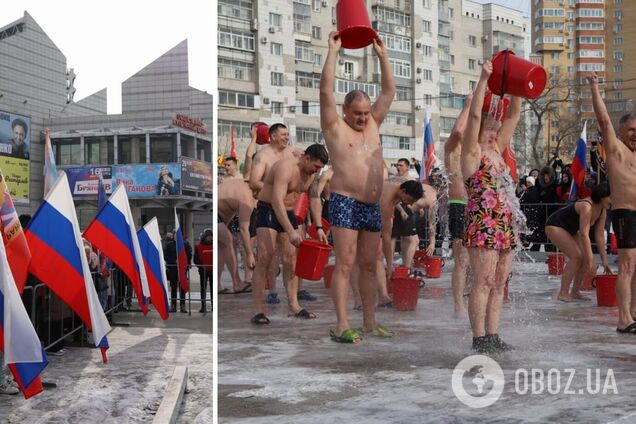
column 405, row 293
column 311, row 259
column 433, row 266
column 419, row 258
column 262, row 134
column 605, row 290
column 327, row 274
column 613, row 244
column 354, row 26
column 556, row 263
column 400, row 272
column 301, row 208
column 516, row 76
column 313, row 233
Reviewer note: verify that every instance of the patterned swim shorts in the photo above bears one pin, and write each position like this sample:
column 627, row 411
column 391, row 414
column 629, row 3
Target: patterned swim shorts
column 346, row 212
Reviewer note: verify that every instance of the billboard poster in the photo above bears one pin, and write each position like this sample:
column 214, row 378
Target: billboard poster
column 16, row 174
column 83, row 181
column 196, row 175
column 149, row 179
column 15, row 133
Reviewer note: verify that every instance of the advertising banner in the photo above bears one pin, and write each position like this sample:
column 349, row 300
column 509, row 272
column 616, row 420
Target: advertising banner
column 196, row 175
column 15, row 133
column 148, row 179
column 83, row 181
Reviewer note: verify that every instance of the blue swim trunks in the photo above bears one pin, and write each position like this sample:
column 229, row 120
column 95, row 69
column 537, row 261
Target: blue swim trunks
column 346, row 212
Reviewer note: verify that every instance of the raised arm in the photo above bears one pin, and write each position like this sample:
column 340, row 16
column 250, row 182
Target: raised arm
column 470, row 141
column 508, row 128
column 257, row 174
column 602, row 116
column 458, row 130
column 383, row 103
column 328, row 112
column 249, row 154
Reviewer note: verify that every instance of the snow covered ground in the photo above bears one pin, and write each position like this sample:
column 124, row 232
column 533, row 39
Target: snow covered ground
column 291, row 372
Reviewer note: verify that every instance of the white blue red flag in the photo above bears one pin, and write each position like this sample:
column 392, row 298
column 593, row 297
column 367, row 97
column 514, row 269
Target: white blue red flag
column 113, row 233
column 150, row 245
column 182, row 258
column 23, row 352
column 428, row 155
column 61, row 261
column 579, row 166
column 104, row 263
column 50, row 171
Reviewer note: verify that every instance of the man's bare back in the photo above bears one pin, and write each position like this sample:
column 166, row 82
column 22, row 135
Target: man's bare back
column 232, row 195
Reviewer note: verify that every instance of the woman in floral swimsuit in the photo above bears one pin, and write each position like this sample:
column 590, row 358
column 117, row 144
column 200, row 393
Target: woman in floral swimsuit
column 490, row 236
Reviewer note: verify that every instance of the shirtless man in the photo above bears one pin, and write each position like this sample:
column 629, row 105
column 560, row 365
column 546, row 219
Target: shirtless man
column 276, row 225
column 276, row 150
column 457, row 206
column 235, row 199
column 621, row 173
column 404, row 225
column 356, row 186
column 231, row 169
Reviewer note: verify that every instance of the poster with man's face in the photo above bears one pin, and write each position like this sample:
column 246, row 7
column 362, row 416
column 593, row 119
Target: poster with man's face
column 15, row 132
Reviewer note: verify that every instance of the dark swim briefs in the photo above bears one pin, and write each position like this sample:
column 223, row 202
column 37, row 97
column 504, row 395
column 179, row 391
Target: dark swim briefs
column 266, row 217
column 404, row 227
column 457, row 219
column 624, row 225
column 346, row 212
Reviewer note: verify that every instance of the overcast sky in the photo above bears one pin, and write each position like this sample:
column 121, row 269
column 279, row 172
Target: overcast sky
column 523, row 5
column 108, row 41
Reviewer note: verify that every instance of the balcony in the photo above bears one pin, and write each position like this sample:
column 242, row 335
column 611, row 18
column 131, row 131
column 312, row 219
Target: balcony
column 444, row 65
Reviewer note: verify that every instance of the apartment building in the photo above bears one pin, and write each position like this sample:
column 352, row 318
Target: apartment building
column 574, row 37
column 271, row 55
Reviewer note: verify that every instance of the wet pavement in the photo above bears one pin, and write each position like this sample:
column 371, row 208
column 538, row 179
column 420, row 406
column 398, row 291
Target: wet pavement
column 569, row 364
column 131, row 386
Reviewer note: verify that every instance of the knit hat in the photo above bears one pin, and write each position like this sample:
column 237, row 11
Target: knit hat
column 530, row 180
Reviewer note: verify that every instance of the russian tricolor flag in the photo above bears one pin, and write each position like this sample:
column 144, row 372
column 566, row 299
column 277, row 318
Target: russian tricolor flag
column 23, row 352
column 150, row 245
column 182, row 259
column 428, row 155
column 113, row 233
column 579, row 166
column 61, row 262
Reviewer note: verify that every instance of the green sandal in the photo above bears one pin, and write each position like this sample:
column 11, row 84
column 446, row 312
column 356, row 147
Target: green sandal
column 379, row 331
column 347, row 336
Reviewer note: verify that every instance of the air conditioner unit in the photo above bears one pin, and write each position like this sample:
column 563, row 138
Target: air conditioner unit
column 272, row 30
column 325, row 3
column 561, row 30
column 567, row 32
column 254, row 25
column 418, row 70
column 419, row 80
column 263, row 40
column 341, row 61
column 292, row 109
column 265, row 100
column 620, row 59
column 333, row 21
column 418, row 107
column 418, row 45
column 348, row 76
column 484, row 38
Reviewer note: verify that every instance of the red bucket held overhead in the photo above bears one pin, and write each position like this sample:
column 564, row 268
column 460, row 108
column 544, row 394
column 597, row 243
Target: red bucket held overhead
column 605, row 290
column 354, row 26
column 556, row 263
column 311, row 259
column 262, row 134
column 301, row 208
column 405, row 293
column 516, row 76
column 433, row 266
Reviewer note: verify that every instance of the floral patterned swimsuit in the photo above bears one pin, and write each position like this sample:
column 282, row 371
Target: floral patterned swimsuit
column 488, row 215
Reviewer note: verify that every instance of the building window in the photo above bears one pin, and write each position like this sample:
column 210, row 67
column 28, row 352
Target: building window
column 401, row 68
column 471, row 64
column 234, row 69
column 91, row 151
column 452, row 59
column 555, row 55
column 304, row 52
column 451, row 12
column 316, row 32
column 399, row 118
column 618, row 14
column 317, row 59
column 307, row 80
column 618, row 41
column 397, row 142
column 549, row 12
column 618, row 95
column 472, row 85
column 236, row 39
column 426, row 26
column 426, row 4
column 315, row 5
column 344, row 86
column 277, row 108
column 618, row 68
column 241, row 129
column 277, row 79
column 472, row 40
column 239, row 9
column 233, row 98
column 427, row 75
column 618, row 27
column 396, row 43
column 276, row 49
column 428, row 99
column 390, row 16
column 275, row 20
column 428, row 50
column 403, row 93
column 307, row 107
column 348, row 70
column 309, row 135
column 618, row 55
column 162, row 148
